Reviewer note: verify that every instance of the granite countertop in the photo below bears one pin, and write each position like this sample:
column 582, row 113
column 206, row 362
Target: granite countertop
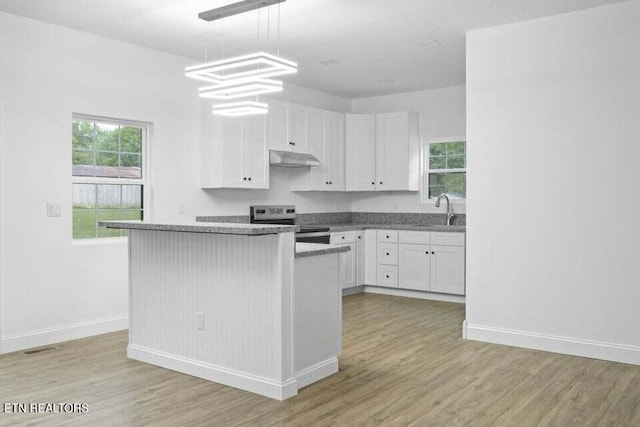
column 313, row 249
column 413, row 227
column 203, row 227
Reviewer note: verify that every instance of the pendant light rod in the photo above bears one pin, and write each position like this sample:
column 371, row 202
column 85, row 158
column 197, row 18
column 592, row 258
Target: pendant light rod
column 236, row 8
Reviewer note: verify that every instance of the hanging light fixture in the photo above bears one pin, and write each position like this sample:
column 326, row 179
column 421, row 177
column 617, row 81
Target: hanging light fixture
column 242, row 76
column 244, row 68
column 241, row 89
column 242, row 108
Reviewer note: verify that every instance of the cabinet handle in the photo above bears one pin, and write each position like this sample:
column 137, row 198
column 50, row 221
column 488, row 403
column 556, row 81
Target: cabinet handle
column 330, row 182
column 433, row 253
column 373, row 183
column 359, row 237
column 387, row 236
column 427, row 252
column 387, row 276
column 292, row 143
column 245, row 178
column 249, row 178
column 380, row 182
column 387, row 253
column 342, row 237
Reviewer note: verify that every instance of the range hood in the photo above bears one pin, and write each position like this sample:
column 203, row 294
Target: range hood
column 290, row 159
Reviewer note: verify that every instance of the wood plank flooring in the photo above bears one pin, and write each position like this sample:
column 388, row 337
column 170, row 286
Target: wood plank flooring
column 404, row 363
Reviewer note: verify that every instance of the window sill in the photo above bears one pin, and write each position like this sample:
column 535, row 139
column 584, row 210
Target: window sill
column 99, row 241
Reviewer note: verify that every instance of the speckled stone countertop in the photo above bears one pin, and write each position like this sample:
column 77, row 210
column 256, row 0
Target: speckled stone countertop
column 413, row 227
column 313, row 249
column 201, row 227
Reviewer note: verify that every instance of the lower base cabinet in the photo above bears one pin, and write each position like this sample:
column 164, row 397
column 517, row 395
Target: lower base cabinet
column 348, row 266
column 421, row 261
column 447, row 269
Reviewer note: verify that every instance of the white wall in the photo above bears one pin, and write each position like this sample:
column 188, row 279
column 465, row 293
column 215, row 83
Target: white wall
column 442, row 114
column 51, row 289
column 553, row 130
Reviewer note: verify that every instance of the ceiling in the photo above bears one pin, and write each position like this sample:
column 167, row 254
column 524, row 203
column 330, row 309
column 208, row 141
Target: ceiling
column 350, row 48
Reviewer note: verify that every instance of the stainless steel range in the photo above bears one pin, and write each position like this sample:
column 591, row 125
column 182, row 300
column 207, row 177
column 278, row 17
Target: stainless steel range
column 286, row 214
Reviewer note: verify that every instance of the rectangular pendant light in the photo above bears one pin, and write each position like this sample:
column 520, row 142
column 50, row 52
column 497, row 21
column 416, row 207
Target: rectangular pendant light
column 242, row 108
column 234, row 90
column 243, row 68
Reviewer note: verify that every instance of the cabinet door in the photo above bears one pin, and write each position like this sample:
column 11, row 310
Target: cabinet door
column 299, row 128
column 413, row 267
column 348, row 267
column 370, row 257
column 392, row 145
column 232, row 153
column 255, row 151
column 447, row 269
column 359, row 257
column 360, row 152
column 316, row 146
column 280, row 125
column 334, row 151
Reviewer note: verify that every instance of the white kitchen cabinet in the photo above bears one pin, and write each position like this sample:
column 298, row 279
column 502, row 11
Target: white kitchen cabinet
column 395, row 157
column 360, row 257
column 411, row 260
column 280, row 125
column 326, row 142
column 234, row 152
column 397, row 151
column 299, row 128
column 370, row 267
column 388, row 275
column 447, row 269
column 349, row 259
column 414, row 267
column 360, row 152
column 288, row 126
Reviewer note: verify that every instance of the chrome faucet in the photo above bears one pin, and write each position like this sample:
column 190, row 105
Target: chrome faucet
column 450, row 213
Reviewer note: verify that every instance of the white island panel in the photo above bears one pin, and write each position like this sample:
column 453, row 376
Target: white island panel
column 242, row 285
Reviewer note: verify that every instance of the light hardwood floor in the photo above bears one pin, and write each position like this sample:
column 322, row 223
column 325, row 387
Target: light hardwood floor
column 404, row 363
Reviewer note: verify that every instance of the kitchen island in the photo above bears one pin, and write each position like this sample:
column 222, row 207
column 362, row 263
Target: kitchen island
column 234, row 304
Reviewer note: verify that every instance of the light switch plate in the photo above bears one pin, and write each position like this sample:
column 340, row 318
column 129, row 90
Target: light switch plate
column 54, row 209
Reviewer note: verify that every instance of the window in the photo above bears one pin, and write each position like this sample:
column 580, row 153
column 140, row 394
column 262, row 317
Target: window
column 445, row 168
column 108, row 174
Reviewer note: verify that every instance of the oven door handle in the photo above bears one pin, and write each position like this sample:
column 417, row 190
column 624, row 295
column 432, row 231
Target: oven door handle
column 317, row 234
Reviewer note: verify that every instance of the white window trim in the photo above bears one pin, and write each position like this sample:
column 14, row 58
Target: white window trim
column 144, row 169
column 424, row 168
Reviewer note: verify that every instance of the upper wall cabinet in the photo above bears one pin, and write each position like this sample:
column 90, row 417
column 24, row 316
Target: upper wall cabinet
column 325, row 140
column 234, row 152
column 280, row 125
column 393, row 154
column 360, row 152
column 288, row 126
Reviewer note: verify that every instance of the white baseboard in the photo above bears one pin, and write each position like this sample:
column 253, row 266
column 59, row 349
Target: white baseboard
column 17, row 342
column 351, row 291
column 414, row 294
column 565, row 345
column 241, row 380
column 317, row 372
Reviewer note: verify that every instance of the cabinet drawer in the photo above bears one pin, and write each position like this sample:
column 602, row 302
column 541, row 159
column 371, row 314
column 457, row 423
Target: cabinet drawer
column 388, row 276
column 388, row 253
column 447, row 239
column 346, row 237
column 414, row 237
column 387, row 236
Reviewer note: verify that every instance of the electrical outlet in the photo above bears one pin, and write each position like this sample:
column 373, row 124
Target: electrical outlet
column 200, row 321
column 54, row 209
